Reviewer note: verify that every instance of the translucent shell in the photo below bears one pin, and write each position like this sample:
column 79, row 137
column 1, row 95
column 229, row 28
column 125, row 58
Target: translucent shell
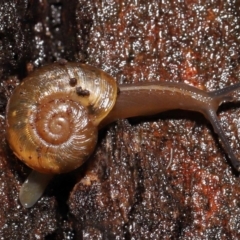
column 53, row 115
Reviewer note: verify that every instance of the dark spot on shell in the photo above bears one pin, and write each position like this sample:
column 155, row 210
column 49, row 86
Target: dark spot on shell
column 72, row 82
column 82, row 92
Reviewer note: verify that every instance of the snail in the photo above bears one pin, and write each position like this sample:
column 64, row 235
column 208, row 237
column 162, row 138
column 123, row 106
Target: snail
column 54, row 115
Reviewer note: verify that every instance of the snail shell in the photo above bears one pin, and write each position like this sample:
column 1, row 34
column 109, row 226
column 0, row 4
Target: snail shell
column 53, row 115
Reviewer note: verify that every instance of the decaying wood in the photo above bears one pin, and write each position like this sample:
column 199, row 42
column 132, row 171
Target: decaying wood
column 128, row 189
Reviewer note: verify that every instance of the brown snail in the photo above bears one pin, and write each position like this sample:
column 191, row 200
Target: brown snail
column 54, row 115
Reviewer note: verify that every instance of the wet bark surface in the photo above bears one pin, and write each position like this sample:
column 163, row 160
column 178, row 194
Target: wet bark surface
column 131, row 187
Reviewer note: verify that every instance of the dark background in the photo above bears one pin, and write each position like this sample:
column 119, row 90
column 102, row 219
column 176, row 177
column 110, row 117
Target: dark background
column 127, row 190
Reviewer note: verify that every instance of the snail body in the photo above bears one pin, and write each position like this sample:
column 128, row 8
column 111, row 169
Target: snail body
column 54, row 115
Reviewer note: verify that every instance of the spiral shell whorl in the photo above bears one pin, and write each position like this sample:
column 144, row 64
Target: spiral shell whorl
column 50, row 126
